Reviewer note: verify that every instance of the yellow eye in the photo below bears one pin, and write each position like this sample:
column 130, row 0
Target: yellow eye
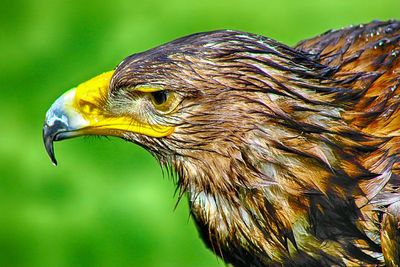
column 164, row 100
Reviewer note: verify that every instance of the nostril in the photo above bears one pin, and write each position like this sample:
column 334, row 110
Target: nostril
column 87, row 107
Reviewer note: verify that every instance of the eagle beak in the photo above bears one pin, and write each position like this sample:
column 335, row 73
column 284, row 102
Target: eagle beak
column 58, row 124
column 82, row 111
column 62, row 121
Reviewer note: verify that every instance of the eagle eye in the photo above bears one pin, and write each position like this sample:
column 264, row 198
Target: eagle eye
column 164, row 101
column 160, row 97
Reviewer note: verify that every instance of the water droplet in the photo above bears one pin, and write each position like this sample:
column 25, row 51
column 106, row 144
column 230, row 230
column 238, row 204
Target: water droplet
column 389, row 30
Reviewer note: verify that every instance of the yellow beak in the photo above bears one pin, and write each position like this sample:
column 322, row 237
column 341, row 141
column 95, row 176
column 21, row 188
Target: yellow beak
column 80, row 111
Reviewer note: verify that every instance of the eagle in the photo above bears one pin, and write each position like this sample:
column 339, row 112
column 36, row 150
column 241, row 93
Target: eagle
column 289, row 156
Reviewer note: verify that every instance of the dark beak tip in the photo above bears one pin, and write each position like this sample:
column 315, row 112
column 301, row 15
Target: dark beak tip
column 48, row 138
column 53, row 159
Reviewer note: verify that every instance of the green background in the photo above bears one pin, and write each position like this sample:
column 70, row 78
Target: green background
column 107, row 204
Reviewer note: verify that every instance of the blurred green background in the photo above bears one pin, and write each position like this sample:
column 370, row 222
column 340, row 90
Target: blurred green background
column 107, row 204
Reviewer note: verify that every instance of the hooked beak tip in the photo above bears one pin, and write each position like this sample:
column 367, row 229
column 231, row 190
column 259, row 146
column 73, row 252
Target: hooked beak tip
column 48, row 139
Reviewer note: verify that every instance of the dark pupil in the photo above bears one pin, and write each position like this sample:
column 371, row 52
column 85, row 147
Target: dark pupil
column 160, row 97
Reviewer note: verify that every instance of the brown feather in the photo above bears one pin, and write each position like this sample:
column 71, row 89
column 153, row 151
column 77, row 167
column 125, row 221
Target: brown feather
column 288, row 155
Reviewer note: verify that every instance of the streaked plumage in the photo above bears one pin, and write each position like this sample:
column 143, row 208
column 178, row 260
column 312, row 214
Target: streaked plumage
column 289, row 156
